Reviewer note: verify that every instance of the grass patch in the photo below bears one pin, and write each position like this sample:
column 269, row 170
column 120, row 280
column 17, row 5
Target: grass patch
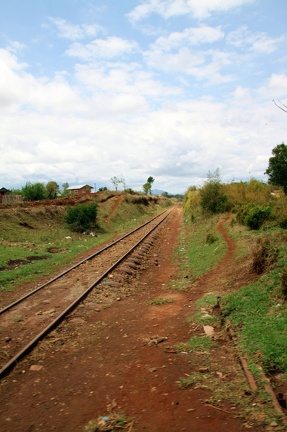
column 199, row 249
column 202, row 253
column 204, row 310
column 202, row 318
column 258, row 312
column 69, row 249
column 194, row 380
column 196, row 343
column 160, row 301
column 261, row 325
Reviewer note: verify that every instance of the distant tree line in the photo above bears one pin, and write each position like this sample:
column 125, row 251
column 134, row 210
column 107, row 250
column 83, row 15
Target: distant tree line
column 39, row 191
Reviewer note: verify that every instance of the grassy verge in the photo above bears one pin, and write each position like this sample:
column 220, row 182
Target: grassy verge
column 200, row 247
column 257, row 311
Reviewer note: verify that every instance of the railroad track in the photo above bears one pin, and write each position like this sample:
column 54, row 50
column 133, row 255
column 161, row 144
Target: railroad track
column 30, row 318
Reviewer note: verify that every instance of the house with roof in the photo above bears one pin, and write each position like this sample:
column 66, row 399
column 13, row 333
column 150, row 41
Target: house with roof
column 80, row 190
column 3, row 193
column 6, row 197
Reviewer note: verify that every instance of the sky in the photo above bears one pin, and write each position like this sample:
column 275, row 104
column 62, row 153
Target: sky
column 173, row 89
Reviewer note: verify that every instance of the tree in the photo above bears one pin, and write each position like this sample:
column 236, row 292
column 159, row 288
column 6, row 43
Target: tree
column 277, row 168
column 147, row 188
column 34, row 191
column 213, row 199
column 116, row 181
column 65, row 189
column 150, row 180
column 52, row 189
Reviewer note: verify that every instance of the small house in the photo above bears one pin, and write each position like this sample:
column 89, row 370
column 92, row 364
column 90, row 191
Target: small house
column 80, row 190
column 3, row 192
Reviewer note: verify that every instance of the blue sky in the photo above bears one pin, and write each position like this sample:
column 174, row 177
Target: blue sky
column 172, row 89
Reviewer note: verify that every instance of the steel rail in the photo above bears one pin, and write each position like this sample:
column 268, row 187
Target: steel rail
column 19, row 300
column 27, row 348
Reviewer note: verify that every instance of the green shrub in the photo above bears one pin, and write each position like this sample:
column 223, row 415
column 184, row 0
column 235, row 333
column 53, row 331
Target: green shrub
column 82, row 217
column 256, row 216
column 34, row 191
column 242, row 211
column 213, row 200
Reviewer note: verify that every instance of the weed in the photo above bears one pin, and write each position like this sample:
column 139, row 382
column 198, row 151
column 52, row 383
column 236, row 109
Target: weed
column 160, row 301
column 109, row 423
column 192, row 380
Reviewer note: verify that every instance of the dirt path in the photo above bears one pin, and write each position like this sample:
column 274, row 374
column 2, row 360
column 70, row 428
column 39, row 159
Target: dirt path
column 113, row 210
column 110, row 364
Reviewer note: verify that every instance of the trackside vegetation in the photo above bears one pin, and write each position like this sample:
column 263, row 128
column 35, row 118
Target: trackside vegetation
column 257, row 222
column 82, row 217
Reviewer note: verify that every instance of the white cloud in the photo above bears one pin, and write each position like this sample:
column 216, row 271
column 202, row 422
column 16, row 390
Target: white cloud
column 122, row 79
column 203, row 65
column 169, row 8
column 70, row 31
column 255, row 42
column 19, row 89
column 102, row 48
column 188, row 37
column 275, row 87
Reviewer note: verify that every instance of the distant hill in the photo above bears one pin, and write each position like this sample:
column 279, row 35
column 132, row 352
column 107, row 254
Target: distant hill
column 160, row 192
column 157, row 192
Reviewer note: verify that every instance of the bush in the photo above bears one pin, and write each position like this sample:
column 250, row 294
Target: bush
column 242, row 211
column 82, row 217
column 130, row 191
column 256, row 216
column 34, row 192
column 213, row 200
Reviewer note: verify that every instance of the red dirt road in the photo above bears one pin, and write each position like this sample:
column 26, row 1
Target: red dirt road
column 108, row 363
